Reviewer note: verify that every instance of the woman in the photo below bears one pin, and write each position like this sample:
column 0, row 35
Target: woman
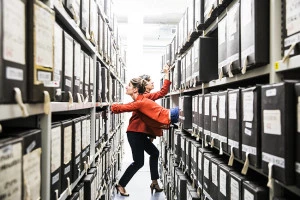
column 137, row 134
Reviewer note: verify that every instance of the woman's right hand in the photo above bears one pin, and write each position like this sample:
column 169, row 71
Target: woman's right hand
column 166, row 69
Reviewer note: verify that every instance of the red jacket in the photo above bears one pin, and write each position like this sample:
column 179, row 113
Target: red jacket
column 136, row 124
column 146, row 106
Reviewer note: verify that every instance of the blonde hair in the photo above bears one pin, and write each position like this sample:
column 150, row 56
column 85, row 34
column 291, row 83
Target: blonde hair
column 140, row 84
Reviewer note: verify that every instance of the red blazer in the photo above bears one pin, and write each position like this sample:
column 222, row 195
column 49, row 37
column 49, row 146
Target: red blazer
column 136, row 124
column 146, row 106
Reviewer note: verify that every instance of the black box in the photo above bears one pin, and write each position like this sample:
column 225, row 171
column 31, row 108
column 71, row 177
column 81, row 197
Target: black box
column 188, row 159
column 56, row 168
column 224, row 180
column 93, row 29
column 233, row 39
column 66, row 156
column 254, row 191
column 207, row 173
column 104, row 78
column 297, row 157
column 223, row 121
column 183, row 73
column 188, row 69
column 255, row 35
column 251, row 125
column 85, row 146
column 80, row 189
column 195, row 146
column 278, row 130
column 291, row 31
column 181, row 183
column 86, row 77
column 11, row 177
column 222, row 47
column 74, row 196
column 207, row 119
column 214, row 120
column 85, row 17
column 97, row 131
column 199, row 14
column 201, row 115
column 76, row 148
column 92, row 83
column 77, row 70
column 215, row 176
column 234, row 122
column 206, row 66
column 58, row 62
column 13, row 66
column 177, row 146
column 90, row 187
column 210, row 11
column 68, row 57
column 177, row 75
column 98, row 82
column 236, row 184
column 183, row 150
column 40, row 51
column 185, row 112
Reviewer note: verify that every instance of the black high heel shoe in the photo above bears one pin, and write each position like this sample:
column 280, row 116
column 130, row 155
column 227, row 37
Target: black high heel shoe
column 155, row 186
column 122, row 193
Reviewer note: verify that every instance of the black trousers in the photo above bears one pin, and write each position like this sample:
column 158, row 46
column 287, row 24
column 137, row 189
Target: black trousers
column 140, row 143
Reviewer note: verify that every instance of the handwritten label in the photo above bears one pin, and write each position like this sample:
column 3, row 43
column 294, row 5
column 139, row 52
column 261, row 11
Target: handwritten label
column 55, row 148
column 234, row 189
column 67, row 144
column 223, row 182
column 272, row 122
column 248, row 104
column 232, row 105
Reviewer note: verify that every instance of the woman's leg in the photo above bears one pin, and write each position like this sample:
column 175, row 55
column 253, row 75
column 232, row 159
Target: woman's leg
column 151, row 149
column 136, row 142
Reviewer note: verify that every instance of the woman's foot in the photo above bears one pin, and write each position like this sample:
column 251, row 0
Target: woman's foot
column 155, row 186
column 122, row 190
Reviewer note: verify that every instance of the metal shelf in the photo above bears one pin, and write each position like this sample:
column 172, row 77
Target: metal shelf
column 291, row 64
column 11, row 111
column 65, row 18
column 65, row 106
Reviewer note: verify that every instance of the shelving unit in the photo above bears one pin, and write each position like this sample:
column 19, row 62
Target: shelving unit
column 43, row 119
column 274, row 72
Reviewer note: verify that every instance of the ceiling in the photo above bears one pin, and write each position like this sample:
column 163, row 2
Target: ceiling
column 160, row 19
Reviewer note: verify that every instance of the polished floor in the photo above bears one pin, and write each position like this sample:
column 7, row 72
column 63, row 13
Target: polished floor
column 139, row 186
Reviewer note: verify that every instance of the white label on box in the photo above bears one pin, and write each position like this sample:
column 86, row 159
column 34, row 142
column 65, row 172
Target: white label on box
column 222, row 31
column 44, row 76
column 97, row 130
column 58, row 41
column 247, row 132
column 206, row 168
column 222, row 105
column 234, row 189
column 278, row 161
column 68, row 83
column 14, row 74
column 68, row 59
column 223, row 182
column 91, row 70
column 55, row 148
column 248, row 104
column 206, row 105
column 222, row 139
column 43, row 37
column 77, row 59
column 32, row 173
column 214, row 101
column 200, row 160
column 67, row 169
column 232, row 105
column 272, row 122
column 11, row 171
column 248, row 195
column 298, row 115
column 214, row 174
column 200, row 104
column 55, row 178
column 182, row 144
column 246, row 14
column 248, row 125
column 249, row 149
column 292, row 16
column 297, row 167
column 271, row 92
column 14, row 31
column 67, row 144
column 77, row 138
